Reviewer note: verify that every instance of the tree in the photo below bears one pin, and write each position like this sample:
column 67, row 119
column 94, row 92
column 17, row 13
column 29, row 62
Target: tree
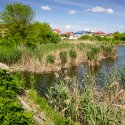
column 39, row 33
column 117, row 35
column 17, row 17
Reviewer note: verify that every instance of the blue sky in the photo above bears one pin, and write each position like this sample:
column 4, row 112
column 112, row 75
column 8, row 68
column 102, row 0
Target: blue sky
column 74, row 15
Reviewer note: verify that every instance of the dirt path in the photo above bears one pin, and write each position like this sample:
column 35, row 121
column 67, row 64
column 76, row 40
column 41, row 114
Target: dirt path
column 38, row 117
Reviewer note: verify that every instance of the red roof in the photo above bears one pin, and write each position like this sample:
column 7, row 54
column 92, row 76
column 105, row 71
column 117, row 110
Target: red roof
column 99, row 33
column 57, row 30
column 69, row 33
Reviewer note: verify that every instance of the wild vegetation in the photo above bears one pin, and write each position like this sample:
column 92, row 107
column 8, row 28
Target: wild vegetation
column 11, row 111
column 89, row 104
column 93, row 105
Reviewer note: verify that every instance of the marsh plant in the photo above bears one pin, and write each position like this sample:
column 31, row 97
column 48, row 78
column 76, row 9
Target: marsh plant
column 65, row 99
column 91, row 105
column 73, row 55
column 50, row 59
column 92, row 56
column 109, row 50
column 63, row 57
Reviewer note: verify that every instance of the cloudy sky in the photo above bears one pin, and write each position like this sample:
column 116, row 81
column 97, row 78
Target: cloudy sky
column 74, row 15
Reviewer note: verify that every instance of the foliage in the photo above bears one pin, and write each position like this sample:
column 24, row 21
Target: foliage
column 51, row 59
column 93, row 107
column 55, row 117
column 11, row 111
column 42, row 33
column 85, row 37
column 73, row 54
column 17, row 17
column 9, row 55
column 63, row 57
column 10, row 41
column 119, row 36
column 20, row 29
column 108, row 50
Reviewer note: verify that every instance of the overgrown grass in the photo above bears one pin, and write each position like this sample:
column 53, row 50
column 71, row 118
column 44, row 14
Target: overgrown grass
column 52, row 116
column 90, row 54
column 93, row 105
column 50, row 59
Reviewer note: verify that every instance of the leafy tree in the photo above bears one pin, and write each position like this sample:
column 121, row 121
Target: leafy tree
column 17, row 17
column 119, row 36
column 41, row 33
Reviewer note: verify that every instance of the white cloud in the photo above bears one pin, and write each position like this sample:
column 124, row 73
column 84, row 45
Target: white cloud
column 68, row 26
column 99, row 9
column 46, row 8
column 110, row 11
column 72, row 12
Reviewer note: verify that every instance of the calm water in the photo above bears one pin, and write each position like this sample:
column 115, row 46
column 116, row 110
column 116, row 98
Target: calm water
column 45, row 81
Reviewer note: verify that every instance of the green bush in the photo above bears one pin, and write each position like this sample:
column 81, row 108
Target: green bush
column 11, row 41
column 50, row 59
column 9, row 55
column 54, row 38
column 63, row 57
column 85, row 37
column 11, row 111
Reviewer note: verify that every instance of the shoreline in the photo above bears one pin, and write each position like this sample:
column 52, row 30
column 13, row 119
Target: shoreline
column 47, row 69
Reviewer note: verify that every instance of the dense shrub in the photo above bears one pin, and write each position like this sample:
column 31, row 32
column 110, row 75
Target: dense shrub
column 11, row 111
column 9, row 55
column 55, row 38
column 85, row 37
column 119, row 36
column 41, row 33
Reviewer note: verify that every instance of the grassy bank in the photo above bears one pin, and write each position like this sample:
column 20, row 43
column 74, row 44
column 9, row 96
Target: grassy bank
column 52, row 57
column 11, row 111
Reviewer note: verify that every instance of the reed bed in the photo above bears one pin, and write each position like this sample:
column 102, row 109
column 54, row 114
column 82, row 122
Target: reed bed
column 52, row 57
column 72, row 102
column 90, row 105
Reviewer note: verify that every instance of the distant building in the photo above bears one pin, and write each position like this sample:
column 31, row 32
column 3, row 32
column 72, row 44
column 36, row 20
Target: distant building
column 89, row 32
column 57, row 31
column 100, row 33
column 69, row 34
column 78, row 34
